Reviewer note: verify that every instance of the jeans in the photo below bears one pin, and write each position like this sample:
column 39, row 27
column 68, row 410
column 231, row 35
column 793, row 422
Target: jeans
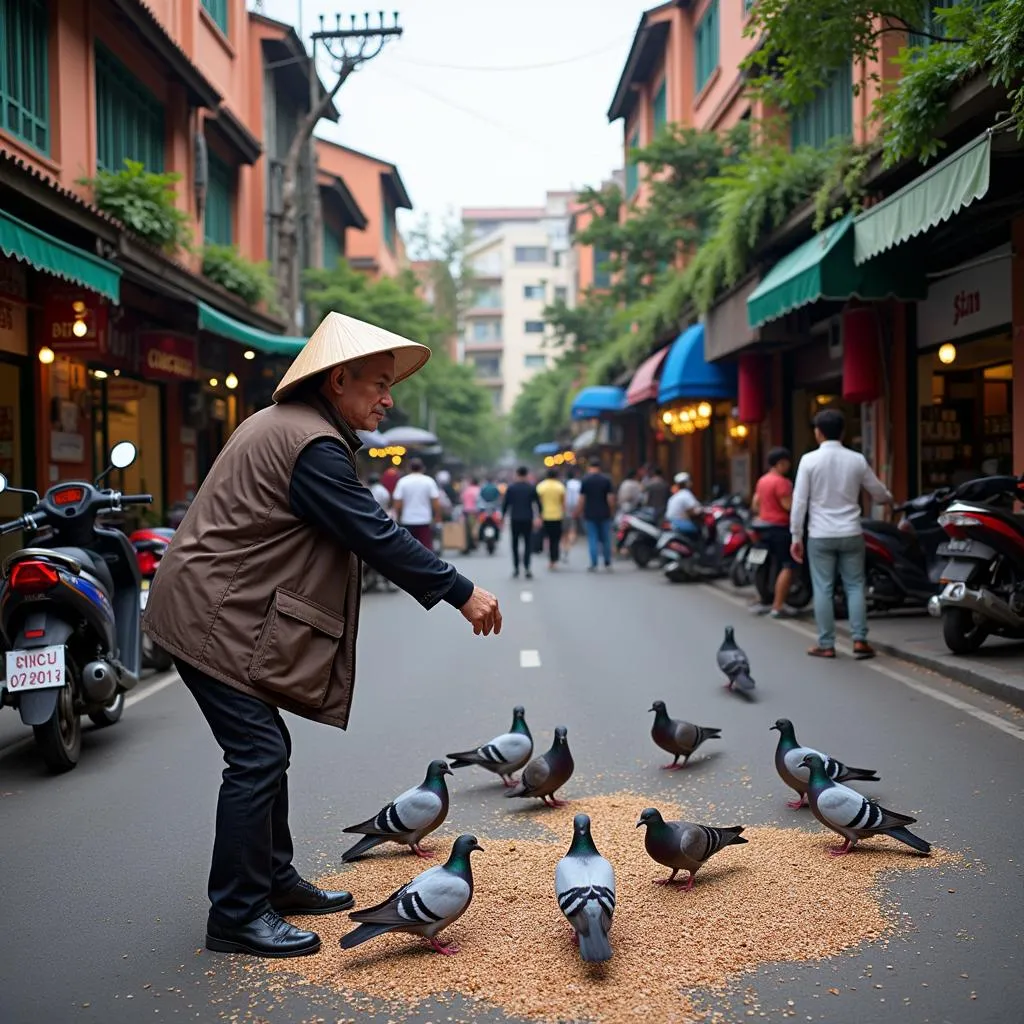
column 824, row 555
column 522, row 530
column 685, row 526
column 553, row 531
column 599, row 532
column 252, row 848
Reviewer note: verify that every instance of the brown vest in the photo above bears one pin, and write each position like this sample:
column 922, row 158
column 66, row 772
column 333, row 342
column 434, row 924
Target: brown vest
column 249, row 593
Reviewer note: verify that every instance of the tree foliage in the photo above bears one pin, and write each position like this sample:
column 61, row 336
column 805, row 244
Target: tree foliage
column 251, row 282
column 449, row 275
column 444, row 394
column 540, row 412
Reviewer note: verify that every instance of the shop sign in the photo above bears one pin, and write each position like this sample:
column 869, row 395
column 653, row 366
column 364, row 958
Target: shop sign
column 970, row 301
column 13, row 316
column 13, row 280
column 165, row 356
column 62, row 311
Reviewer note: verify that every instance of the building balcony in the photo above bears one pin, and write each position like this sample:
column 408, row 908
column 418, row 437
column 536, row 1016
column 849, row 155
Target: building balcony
column 483, row 311
column 491, row 381
column 471, row 345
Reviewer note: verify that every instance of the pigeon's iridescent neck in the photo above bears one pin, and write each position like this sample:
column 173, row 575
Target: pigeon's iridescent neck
column 519, row 726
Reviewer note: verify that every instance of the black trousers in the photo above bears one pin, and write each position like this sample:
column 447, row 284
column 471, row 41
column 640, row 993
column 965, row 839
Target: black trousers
column 553, row 531
column 252, row 849
column 522, row 530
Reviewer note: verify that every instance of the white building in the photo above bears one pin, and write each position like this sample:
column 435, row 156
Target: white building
column 520, row 264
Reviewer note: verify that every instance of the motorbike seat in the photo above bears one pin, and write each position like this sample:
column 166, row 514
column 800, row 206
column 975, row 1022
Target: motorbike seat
column 94, row 564
column 889, row 529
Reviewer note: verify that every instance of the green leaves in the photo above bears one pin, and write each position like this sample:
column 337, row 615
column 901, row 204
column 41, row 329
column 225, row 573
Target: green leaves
column 145, row 203
column 251, row 282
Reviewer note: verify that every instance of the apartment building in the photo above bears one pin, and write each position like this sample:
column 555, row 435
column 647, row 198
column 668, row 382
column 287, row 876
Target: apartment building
column 520, row 260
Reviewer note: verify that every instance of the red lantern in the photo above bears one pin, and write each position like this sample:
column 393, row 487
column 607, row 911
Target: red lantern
column 862, row 362
column 752, row 387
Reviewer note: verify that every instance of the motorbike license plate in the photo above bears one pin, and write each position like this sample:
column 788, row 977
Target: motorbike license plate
column 959, row 572
column 144, row 596
column 38, row 669
column 958, row 547
column 757, row 556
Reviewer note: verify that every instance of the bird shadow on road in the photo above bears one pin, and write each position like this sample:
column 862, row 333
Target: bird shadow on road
column 695, row 767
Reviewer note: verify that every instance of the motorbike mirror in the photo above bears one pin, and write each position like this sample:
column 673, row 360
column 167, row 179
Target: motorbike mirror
column 3, row 483
column 123, row 454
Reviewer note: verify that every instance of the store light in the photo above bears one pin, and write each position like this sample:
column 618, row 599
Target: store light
column 704, row 410
column 947, row 353
column 666, row 418
column 79, row 329
column 742, row 430
column 100, row 374
column 214, row 382
column 396, row 460
column 46, row 355
column 231, row 382
column 248, row 354
column 117, row 373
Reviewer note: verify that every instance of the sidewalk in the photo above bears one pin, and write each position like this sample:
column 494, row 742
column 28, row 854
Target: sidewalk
column 996, row 669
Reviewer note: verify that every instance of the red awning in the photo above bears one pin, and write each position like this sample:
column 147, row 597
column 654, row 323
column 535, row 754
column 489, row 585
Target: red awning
column 644, row 385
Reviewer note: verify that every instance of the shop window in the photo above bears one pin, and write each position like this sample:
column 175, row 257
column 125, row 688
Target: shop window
column 332, row 249
column 930, row 24
column 220, row 201
column 707, row 45
column 632, row 168
column 218, row 10
column 828, row 116
column 129, row 118
column 24, row 76
column 388, row 221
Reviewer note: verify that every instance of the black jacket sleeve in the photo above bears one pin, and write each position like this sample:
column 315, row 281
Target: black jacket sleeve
column 327, row 493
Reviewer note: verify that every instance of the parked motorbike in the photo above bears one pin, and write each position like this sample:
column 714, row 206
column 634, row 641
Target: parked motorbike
column 983, row 580
column 489, row 520
column 69, row 613
column 764, row 567
column 151, row 544
column 639, row 533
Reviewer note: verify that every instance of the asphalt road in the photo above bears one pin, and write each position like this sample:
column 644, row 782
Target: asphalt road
column 103, row 870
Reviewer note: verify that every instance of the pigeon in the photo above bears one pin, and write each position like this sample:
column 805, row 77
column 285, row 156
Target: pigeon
column 789, row 754
column 504, row 754
column 434, row 899
column 678, row 737
column 408, row 818
column 547, row 773
column 734, row 663
column 851, row 815
column 683, row 844
column 585, row 887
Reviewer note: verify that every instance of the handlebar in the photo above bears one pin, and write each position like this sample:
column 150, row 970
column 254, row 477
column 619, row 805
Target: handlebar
column 29, row 521
column 136, row 499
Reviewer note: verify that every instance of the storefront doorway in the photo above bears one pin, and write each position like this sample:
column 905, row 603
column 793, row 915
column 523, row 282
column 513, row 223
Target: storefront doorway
column 15, row 463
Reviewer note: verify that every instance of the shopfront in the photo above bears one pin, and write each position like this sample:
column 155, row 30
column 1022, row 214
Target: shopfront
column 965, row 374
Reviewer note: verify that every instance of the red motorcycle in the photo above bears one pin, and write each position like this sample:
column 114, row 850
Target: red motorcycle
column 489, row 520
column 150, row 545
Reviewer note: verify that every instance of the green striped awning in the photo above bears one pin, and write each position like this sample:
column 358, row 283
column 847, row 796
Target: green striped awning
column 225, row 326
column 23, row 242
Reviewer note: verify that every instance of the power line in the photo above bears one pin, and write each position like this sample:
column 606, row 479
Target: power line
column 512, row 67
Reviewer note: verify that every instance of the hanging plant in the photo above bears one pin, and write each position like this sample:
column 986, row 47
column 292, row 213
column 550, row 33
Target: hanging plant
column 251, row 282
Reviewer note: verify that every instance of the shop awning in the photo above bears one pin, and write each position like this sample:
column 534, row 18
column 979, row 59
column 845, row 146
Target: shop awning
column 687, row 375
column 548, row 448
column 933, row 197
column 597, row 401
column 588, row 439
column 23, row 242
column 644, row 385
column 225, row 326
column 823, row 268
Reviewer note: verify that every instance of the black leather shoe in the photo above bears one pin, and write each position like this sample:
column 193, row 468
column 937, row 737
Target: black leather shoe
column 306, row 898
column 269, row 935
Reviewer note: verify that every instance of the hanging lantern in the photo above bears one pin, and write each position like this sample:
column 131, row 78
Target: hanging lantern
column 862, row 364
column 752, row 388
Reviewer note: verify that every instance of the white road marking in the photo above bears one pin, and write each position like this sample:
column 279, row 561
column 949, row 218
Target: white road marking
column 526, row 596
column 961, row 705
column 529, row 659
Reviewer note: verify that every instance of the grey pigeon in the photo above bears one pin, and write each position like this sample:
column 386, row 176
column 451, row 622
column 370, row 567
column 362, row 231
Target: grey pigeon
column 408, row 818
column 735, row 664
column 789, row 754
column 585, row 887
column 683, row 845
column 546, row 774
column 678, row 737
column 504, row 754
column 433, row 900
column 853, row 816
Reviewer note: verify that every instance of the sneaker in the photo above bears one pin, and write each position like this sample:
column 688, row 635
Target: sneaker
column 759, row 609
column 783, row 613
column 591, row 568
column 515, row 575
column 608, row 568
column 529, row 575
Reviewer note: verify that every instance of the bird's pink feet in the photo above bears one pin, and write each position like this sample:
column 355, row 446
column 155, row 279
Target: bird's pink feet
column 508, row 782
column 439, row 947
column 841, row 851
column 552, row 802
column 795, row 805
column 421, row 852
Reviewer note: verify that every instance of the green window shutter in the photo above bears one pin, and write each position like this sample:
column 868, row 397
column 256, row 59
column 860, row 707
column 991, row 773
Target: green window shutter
column 602, row 277
column 707, row 45
column 828, row 116
column 931, row 24
column 218, row 10
column 332, row 249
column 632, row 170
column 660, row 109
column 129, row 118
column 24, row 71
column 388, row 220
column 220, row 195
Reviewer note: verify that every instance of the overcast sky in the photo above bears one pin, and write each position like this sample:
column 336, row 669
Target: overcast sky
column 486, row 137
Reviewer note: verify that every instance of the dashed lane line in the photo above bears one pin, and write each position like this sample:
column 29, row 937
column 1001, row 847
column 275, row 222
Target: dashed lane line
column 529, row 659
column 526, row 596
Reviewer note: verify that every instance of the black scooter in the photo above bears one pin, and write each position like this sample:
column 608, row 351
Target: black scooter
column 69, row 613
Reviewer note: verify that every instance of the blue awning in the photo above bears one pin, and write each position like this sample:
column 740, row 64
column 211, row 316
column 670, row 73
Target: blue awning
column 597, row 401
column 547, row 448
column 686, row 375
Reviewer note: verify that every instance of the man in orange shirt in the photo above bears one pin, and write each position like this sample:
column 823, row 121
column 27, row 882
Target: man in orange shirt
column 773, row 499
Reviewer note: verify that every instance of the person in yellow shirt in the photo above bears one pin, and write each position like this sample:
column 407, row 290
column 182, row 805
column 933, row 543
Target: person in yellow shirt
column 551, row 492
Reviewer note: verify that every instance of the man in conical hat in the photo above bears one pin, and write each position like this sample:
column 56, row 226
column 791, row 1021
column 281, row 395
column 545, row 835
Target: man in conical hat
column 257, row 600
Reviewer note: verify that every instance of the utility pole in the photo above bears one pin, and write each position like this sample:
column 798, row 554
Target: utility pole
column 348, row 49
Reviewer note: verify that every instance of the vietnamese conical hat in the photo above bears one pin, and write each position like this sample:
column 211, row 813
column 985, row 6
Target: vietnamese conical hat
column 343, row 339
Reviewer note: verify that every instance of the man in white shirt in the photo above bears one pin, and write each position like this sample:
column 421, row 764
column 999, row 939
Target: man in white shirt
column 828, row 486
column 417, row 503
column 683, row 505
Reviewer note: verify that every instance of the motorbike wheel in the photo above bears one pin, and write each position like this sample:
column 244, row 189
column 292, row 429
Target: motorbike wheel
column 109, row 715
column 961, row 633
column 739, row 575
column 60, row 739
column 490, row 547
column 642, row 555
column 800, row 593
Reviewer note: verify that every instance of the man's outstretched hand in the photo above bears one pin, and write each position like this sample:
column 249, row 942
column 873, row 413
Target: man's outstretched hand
column 483, row 612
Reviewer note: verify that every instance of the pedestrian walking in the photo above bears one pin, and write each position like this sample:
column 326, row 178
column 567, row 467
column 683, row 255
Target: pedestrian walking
column 630, row 492
column 379, row 491
column 572, row 510
column 772, row 504
column 656, row 492
column 826, row 495
column 417, row 503
column 598, row 504
column 470, row 505
column 521, row 508
column 551, row 492
column 258, row 598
